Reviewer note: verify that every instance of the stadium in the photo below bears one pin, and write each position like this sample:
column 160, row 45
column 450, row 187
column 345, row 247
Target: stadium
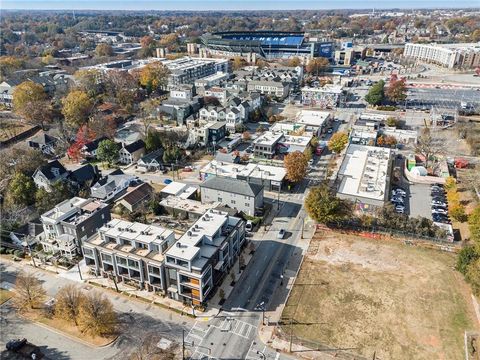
column 266, row 44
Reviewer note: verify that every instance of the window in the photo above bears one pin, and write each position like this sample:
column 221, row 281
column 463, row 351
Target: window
column 233, row 202
column 247, row 204
column 220, row 199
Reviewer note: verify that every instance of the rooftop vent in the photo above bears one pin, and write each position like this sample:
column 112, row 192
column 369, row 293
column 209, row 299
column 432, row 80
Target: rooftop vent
column 189, row 233
column 178, row 245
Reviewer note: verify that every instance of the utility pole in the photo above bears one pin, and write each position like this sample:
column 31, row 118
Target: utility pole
column 31, row 252
column 303, row 225
column 183, row 344
column 79, row 271
column 278, row 197
column 115, row 281
column 291, row 334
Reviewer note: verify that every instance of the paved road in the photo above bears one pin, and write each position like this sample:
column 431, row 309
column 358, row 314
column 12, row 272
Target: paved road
column 233, row 333
column 139, row 319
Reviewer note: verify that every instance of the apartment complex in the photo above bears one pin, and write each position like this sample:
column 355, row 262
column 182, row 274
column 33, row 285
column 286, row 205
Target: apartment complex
column 201, row 258
column 465, row 55
column 131, row 252
column 72, row 222
column 186, row 69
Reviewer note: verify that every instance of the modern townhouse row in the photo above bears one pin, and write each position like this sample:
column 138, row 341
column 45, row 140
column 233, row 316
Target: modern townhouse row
column 149, row 257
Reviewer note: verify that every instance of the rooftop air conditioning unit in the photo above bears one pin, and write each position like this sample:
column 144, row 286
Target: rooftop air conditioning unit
column 120, row 229
column 189, row 233
column 178, row 245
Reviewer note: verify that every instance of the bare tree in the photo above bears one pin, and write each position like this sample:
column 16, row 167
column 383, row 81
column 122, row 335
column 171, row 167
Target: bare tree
column 69, row 299
column 30, row 292
column 96, row 315
column 149, row 350
column 428, row 145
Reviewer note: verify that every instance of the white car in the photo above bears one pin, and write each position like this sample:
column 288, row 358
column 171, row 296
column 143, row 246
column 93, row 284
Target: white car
column 439, row 211
column 399, row 191
column 281, row 234
column 400, row 209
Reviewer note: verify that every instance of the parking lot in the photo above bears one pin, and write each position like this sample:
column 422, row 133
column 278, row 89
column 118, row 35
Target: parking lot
column 424, row 99
column 419, row 201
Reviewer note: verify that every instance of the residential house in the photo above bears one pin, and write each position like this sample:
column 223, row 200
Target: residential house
column 45, row 176
column 6, row 91
column 136, row 197
column 29, row 234
column 89, row 150
column 202, row 257
column 233, row 118
column 130, row 153
column 238, row 194
column 43, row 142
column 86, row 175
column 71, row 223
column 153, row 161
column 273, row 87
column 132, row 253
column 112, row 186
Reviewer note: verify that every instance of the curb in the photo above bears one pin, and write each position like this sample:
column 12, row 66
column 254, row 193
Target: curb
column 71, row 337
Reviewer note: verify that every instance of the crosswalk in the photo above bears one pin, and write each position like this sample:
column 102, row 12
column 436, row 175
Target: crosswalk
column 237, row 327
column 195, row 335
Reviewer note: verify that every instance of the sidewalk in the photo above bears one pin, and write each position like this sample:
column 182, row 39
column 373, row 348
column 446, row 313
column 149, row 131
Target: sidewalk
column 268, row 333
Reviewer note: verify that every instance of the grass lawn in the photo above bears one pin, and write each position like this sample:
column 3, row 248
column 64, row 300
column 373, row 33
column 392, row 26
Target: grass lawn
column 5, row 295
column 10, row 129
column 67, row 328
column 370, row 296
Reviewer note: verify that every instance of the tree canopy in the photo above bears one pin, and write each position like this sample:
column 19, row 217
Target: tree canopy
column 397, row 89
column 338, row 141
column 296, row 165
column 324, row 207
column 108, row 151
column 317, row 65
column 21, row 190
column 31, row 102
column 153, row 76
column 376, row 94
column 76, row 108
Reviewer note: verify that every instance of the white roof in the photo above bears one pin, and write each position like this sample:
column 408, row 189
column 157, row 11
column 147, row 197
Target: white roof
column 136, row 231
column 364, row 172
column 330, row 89
column 268, row 138
column 312, row 117
column 257, row 171
column 188, row 246
column 174, row 188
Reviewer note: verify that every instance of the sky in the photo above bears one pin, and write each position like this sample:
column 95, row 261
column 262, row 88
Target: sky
column 231, row 4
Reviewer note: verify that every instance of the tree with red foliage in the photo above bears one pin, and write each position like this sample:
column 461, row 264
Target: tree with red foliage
column 397, row 89
column 84, row 136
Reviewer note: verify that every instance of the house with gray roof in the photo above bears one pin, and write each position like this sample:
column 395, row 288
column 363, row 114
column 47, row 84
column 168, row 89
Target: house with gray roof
column 238, row 194
column 112, row 186
column 45, row 176
column 152, row 161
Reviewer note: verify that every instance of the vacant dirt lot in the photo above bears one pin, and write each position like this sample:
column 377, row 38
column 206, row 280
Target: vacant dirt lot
column 368, row 296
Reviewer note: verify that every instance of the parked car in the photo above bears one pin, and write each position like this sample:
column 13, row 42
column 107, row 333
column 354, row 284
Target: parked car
column 439, row 211
column 397, row 199
column 249, row 226
column 281, row 234
column 400, row 209
column 399, row 192
column 438, row 203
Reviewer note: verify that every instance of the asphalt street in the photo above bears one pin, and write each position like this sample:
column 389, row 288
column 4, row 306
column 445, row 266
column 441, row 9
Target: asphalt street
column 233, row 333
column 140, row 320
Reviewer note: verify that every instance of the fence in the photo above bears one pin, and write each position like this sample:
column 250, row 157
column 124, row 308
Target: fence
column 392, row 234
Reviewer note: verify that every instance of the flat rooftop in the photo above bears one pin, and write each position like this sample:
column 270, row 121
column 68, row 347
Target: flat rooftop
column 258, row 171
column 188, row 205
column 268, row 138
column 136, row 231
column 312, row 117
column 190, row 244
column 328, row 89
column 364, row 172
